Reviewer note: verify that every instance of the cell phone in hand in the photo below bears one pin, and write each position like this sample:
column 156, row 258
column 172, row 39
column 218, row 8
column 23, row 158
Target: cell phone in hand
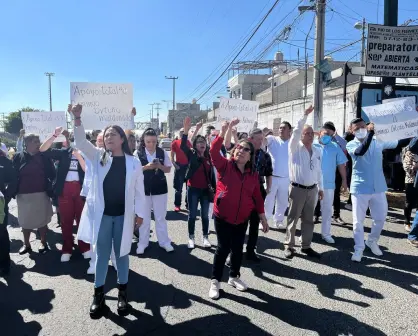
column 155, row 161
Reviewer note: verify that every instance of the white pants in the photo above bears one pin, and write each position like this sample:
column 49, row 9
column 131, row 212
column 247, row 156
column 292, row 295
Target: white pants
column 378, row 205
column 326, row 212
column 159, row 204
column 94, row 257
column 279, row 196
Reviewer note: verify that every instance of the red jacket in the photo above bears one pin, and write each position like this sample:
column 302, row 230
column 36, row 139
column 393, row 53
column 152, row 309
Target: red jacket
column 237, row 194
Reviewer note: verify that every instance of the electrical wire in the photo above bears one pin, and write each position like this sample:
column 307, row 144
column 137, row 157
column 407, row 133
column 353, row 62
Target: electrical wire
column 226, row 59
column 239, row 52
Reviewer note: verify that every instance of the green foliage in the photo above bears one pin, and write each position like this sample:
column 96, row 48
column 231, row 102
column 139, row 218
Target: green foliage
column 13, row 123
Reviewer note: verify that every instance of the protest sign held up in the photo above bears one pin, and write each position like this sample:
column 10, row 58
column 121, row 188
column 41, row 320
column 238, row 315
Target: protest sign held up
column 44, row 123
column 104, row 104
column 395, row 119
column 245, row 110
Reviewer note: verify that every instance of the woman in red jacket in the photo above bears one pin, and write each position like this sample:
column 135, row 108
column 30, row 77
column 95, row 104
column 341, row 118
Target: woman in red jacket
column 237, row 195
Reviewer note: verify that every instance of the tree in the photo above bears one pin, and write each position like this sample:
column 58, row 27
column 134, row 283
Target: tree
column 13, row 123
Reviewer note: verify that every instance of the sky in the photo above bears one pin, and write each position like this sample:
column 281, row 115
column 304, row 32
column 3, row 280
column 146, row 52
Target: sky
column 142, row 41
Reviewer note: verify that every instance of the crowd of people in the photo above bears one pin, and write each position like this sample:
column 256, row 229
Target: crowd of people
column 110, row 187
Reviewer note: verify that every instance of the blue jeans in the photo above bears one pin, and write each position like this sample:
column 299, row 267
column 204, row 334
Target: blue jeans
column 111, row 229
column 194, row 196
column 413, row 234
column 179, row 176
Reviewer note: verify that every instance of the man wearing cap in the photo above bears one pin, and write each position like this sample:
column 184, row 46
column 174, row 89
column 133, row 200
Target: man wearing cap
column 335, row 138
column 332, row 157
column 368, row 185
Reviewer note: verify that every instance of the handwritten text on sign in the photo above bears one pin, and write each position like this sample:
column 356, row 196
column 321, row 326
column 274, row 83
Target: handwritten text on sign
column 394, row 120
column 245, row 110
column 104, row 104
column 44, row 124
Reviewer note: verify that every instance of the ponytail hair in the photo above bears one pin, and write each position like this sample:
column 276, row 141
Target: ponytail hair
column 148, row 132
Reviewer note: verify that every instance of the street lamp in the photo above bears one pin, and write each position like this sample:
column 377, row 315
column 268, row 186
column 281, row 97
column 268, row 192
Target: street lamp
column 361, row 25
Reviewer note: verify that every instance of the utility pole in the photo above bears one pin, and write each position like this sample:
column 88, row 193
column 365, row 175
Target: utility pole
column 174, row 101
column 390, row 19
column 319, row 57
column 152, row 111
column 49, row 75
column 158, row 108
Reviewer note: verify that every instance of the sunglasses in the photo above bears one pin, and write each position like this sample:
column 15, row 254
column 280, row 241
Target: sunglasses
column 245, row 149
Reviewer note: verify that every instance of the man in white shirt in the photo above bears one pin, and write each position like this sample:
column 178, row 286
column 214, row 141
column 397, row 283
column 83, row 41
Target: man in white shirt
column 278, row 148
column 305, row 186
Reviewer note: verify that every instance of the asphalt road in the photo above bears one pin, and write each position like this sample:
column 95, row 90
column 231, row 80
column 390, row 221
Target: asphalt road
column 168, row 292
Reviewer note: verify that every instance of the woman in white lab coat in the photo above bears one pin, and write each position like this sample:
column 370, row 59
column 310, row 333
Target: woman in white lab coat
column 108, row 213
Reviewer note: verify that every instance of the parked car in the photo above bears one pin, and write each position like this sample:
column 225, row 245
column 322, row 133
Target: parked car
column 165, row 143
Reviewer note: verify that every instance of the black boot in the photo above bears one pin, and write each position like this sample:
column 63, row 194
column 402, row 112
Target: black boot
column 99, row 302
column 123, row 305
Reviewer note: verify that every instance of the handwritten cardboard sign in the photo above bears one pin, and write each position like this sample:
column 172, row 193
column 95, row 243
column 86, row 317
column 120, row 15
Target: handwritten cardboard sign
column 104, row 104
column 395, row 119
column 245, row 110
column 44, row 124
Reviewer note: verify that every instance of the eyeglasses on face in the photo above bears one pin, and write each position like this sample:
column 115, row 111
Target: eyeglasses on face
column 245, row 149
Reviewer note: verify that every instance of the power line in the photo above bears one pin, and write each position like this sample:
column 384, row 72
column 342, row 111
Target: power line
column 224, row 61
column 243, row 47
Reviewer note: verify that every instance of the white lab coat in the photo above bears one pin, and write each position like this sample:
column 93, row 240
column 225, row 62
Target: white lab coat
column 91, row 217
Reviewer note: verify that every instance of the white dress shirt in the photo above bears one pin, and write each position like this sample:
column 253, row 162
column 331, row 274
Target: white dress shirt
column 279, row 152
column 304, row 169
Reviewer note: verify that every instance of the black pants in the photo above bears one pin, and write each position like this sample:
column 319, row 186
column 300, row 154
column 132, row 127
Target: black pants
column 337, row 192
column 4, row 242
column 253, row 229
column 230, row 240
column 411, row 201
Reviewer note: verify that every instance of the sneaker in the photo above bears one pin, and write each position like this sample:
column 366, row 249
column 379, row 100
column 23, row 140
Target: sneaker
column 280, row 225
column 214, row 289
column 407, row 227
column 357, row 255
column 349, row 207
column 374, row 248
column 329, row 239
column 87, row 255
column 413, row 242
column 43, row 249
column 238, row 284
column 25, row 249
column 190, row 243
column 140, row 250
column 289, row 253
column 177, row 209
column 338, row 220
column 65, row 257
column 206, row 242
column 168, row 248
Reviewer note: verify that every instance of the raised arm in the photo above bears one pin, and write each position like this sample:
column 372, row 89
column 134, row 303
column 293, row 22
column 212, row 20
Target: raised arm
column 184, row 142
column 297, row 132
column 218, row 160
column 81, row 142
column 196, row 131
column 228, row 135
